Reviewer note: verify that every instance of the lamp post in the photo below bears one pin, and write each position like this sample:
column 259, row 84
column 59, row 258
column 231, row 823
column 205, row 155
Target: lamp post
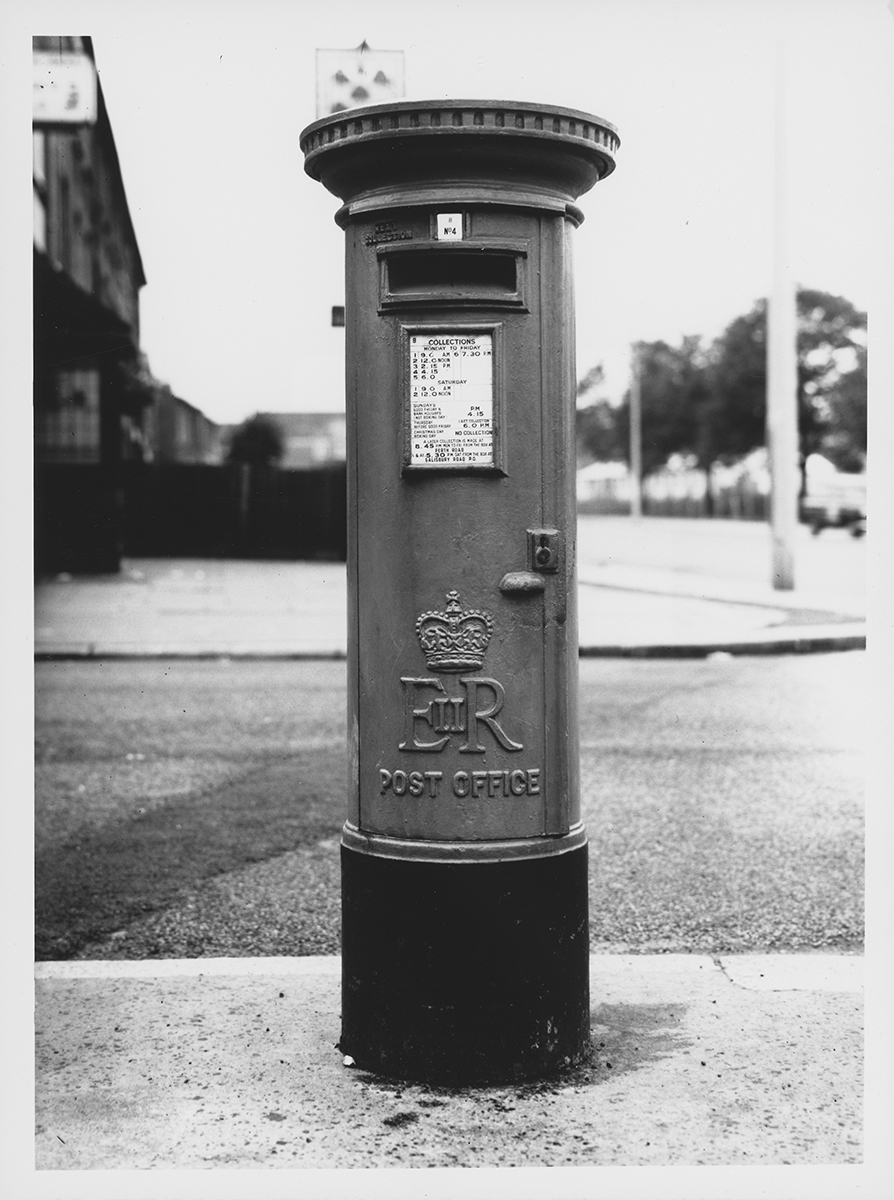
column 782, row 363
column 636, row 436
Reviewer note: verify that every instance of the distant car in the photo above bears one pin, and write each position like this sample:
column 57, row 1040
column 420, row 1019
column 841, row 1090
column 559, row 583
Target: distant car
column 837, row 501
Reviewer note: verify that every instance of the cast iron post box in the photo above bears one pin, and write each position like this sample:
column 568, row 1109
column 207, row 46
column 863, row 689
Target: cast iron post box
column 464, row 860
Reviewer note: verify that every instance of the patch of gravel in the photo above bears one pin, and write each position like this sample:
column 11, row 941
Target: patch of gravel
column 723, row 853
column 74, row 795
column 288, row 905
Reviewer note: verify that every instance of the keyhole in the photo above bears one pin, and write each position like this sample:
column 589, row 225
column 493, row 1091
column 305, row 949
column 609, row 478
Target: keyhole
column 544, row 554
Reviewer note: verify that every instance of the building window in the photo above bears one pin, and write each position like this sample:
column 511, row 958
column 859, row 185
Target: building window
column 40, row 222
column 39, row 175
column 64, row 223
column 39, row 157
column 66, row 426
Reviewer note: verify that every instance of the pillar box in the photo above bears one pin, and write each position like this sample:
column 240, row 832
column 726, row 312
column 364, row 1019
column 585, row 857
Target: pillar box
column 464, row 861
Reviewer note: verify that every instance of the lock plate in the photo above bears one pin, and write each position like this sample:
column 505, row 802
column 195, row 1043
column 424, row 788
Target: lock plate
column 543, row 550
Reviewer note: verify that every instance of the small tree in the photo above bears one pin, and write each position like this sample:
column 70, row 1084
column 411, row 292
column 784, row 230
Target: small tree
column 672, row 390
column 597, row 423
column 831, row 336
column 594, row 378
column 845, row 440
column 671, row 387
column 733, row 417
column 601, row 433
column 258, row 441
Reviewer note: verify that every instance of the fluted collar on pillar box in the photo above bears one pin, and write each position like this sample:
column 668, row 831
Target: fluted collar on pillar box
column 530, row 154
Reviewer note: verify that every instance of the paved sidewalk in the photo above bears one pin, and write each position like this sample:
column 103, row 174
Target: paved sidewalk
column 218, row 1063
column 208, row 607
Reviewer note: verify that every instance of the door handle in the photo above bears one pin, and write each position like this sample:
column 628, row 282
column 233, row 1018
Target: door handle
column 543, row 559
column 521, row 583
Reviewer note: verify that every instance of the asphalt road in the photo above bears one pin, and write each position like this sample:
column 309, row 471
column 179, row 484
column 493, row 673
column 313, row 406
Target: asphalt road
column 190, row 809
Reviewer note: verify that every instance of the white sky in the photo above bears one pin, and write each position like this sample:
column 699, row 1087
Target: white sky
column 244, row 260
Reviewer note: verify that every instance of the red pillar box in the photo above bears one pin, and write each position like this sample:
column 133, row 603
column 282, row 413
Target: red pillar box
column 464, row 860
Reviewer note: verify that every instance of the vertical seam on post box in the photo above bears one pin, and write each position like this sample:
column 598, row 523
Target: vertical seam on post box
column 353, row 606
column 554, row 482
column 543, row 516
column 560, row 483
column 571, row 782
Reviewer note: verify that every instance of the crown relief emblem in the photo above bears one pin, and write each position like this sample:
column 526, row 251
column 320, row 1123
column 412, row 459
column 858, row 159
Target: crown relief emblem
column 455, row 640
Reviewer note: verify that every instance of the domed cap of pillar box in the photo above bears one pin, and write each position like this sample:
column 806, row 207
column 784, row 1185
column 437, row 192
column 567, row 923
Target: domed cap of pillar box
column 494, row 151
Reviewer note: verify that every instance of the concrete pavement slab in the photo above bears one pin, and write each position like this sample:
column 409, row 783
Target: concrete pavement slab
column 621, row 620
column 211, row 608
column 801, row 972
column 822, row 606
column 200, row 1063
column 196, row 608
column 728, row 559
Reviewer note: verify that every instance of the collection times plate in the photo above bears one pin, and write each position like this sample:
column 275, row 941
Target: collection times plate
column 451, row 399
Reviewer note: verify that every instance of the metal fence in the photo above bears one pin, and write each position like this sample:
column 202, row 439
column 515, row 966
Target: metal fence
column 87, row 517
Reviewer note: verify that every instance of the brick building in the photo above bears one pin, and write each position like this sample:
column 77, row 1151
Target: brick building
column 87, row 278
column 176, row 431
column 88, row 274
column 310, row 439
column 97, row 407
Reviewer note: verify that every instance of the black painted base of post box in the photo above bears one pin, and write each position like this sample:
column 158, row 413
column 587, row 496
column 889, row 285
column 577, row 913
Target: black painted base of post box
column 473, row 972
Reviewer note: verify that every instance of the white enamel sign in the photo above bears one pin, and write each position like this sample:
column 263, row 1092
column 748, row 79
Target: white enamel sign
column 64, row 89
column 451, row 399
column 449, row 227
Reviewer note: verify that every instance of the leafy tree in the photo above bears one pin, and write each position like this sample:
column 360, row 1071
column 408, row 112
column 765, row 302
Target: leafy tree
column 733, row 416
column 601, row 433
column 258, row 441
column 671, row 382
column 845, row 440
column 684, row 393
column 594, row 378
column 672, row 388
column 831, row 334
column 598, row 433
column 134, row 384
column 712, row 403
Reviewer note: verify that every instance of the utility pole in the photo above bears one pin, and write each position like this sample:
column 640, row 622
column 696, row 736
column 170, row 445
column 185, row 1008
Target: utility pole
column 636, row 437
column 782, row 365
